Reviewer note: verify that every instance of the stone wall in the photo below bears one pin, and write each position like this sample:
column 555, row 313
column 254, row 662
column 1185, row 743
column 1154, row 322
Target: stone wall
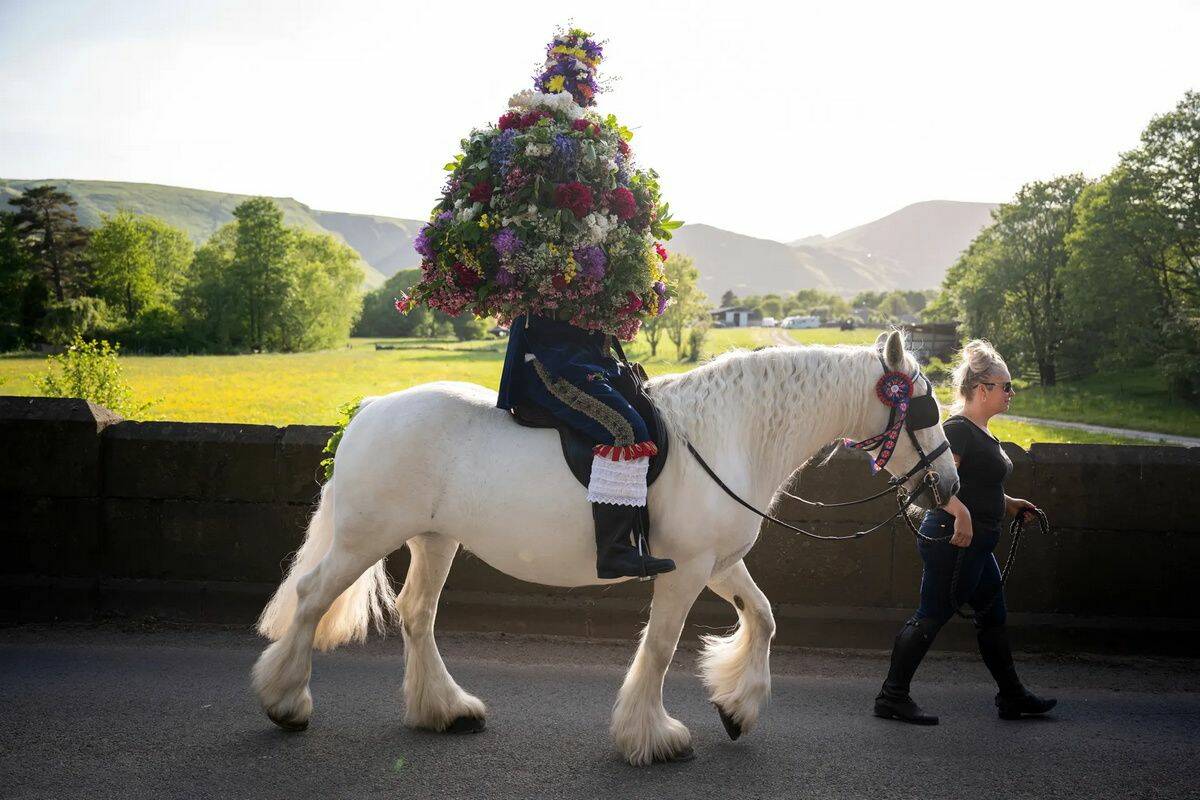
column 195, row 521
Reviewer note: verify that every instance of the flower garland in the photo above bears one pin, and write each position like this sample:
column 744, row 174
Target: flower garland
column 545, row 212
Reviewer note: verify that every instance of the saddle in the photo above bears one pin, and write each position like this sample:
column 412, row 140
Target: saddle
column 577, row 449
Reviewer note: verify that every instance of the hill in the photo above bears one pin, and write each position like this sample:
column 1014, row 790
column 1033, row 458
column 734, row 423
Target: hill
column 914, row 245
column 196, row 211
column 909, row 249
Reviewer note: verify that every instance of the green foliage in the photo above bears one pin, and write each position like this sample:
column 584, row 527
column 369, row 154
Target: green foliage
column 697, row 335
column 259, row 268
column 90, row 370
column 260, row 286
column 80, row 316
column 23, row 294
column 346, row 412
column 468, row 327
column 1008, row 285
column 56, row 243
column 1181, row 362
column 688, row 305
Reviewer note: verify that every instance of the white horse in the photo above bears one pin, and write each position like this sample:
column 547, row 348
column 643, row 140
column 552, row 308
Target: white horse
column 439, row 465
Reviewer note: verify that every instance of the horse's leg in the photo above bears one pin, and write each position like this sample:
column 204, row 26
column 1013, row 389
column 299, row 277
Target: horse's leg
column 282, row 672
column 641, row 726
column 736, row 668
column 432, row 699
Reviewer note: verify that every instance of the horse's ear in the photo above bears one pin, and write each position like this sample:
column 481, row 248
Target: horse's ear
column 880, row 339
column 893, row 354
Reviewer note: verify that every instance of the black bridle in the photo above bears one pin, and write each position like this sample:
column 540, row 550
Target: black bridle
column 913, row 414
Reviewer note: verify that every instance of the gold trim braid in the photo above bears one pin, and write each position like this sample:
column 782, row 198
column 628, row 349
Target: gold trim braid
column 573, row 397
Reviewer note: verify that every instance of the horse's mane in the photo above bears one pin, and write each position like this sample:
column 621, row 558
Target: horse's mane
column 802, row 395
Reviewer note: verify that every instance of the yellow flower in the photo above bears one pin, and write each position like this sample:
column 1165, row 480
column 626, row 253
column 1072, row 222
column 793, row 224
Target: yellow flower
column 484, row 222
column 570, row 269
column 555, row 84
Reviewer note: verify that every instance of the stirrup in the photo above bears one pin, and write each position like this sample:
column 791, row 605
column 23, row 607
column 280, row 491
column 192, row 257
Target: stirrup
column 641, row 551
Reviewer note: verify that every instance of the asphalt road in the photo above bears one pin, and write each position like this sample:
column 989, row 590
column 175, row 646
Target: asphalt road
column 117, row 713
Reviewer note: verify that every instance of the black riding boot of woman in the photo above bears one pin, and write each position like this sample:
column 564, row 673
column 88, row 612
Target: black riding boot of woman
column 1013, row 700
column 912, row 643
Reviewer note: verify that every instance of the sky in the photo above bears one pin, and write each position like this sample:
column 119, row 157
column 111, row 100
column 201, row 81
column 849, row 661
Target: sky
column 776, row 120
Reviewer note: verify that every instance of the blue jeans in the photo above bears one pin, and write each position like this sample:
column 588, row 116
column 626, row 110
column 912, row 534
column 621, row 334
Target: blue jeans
column 978, row 578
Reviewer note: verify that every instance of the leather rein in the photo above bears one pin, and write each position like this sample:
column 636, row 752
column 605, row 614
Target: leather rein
column 894, row 389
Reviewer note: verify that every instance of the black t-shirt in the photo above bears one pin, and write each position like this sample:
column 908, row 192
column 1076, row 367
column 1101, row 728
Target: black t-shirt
column 983, row 469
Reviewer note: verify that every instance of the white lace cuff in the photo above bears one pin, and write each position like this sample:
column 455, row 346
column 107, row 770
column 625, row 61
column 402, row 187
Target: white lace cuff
column 620, row 483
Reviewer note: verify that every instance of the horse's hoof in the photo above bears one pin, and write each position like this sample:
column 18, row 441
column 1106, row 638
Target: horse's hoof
column 731, row 726
column 686, row 754
column 287, row 724
column 466, row 725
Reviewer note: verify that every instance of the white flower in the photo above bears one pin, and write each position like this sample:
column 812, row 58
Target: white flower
column 536, row 150
column 557, row 101
column 468, row 214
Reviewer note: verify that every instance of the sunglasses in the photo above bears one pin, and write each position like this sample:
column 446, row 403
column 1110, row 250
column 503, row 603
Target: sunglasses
column 1007, row 386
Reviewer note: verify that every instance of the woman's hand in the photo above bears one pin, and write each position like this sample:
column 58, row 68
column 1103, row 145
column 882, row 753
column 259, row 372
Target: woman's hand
column 964, row 531
column 1015, row 506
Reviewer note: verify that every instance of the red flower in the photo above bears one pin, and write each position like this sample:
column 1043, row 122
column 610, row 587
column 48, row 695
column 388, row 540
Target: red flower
column 622, row 203
column 585, row 125
column 481, row 192
column 531, row 119
column 559, row 282
column 633, row 306
column 464, row 277
column 510, row 120
column 623, row 146
column 662, row 251
column 403, row 303
column 574, row 196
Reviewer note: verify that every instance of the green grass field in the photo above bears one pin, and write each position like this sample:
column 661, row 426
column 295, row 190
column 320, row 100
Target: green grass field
column 281, row 389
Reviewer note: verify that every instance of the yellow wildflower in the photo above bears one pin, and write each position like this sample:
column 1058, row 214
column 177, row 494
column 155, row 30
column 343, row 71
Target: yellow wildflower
column 555, row 84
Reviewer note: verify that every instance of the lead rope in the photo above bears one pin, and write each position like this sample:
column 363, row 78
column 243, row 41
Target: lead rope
column 1015, row 528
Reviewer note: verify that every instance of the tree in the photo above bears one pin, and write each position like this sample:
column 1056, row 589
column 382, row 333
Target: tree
column 47, row 225
column 1114, row 297
column 209, row 301
column 22, row 293
column 729, row 298
column 894, row 305
column 688, row 303
column 123, row 264
column 380, row 318
column 259, row 269
column 321, row 300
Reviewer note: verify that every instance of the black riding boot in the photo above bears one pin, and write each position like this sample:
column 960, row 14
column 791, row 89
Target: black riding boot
column 615, row 556
column 1013, row 699
column 912, row 643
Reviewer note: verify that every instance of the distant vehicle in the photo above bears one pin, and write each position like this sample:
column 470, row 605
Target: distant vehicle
column 769, row 322
column 848, row 324
column 802, row 322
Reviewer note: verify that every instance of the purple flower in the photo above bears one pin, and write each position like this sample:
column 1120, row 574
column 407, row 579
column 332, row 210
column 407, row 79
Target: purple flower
column 662, row 304
column 506, row 242
column 422, row 243
column 566, row 153
column 503, row 148
column 504, row 278
column 591, row 260
column 445, row 216
column 660, row 288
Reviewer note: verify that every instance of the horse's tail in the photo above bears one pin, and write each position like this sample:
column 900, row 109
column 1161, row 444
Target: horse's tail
column 370, row 600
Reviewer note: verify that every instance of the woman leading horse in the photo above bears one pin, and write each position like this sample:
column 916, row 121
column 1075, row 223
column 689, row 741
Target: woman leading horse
column 959, row 539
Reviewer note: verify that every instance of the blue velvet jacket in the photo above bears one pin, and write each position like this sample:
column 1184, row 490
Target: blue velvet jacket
column 563, row 349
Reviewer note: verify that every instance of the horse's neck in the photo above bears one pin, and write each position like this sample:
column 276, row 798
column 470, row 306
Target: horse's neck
column 757, row 417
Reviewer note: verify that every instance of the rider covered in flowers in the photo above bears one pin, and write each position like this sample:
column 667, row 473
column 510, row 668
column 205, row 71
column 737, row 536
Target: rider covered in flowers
column 546, row 221
column 570, row 371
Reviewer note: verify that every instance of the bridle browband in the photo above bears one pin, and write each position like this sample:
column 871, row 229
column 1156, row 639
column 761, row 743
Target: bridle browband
column 894, row 390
